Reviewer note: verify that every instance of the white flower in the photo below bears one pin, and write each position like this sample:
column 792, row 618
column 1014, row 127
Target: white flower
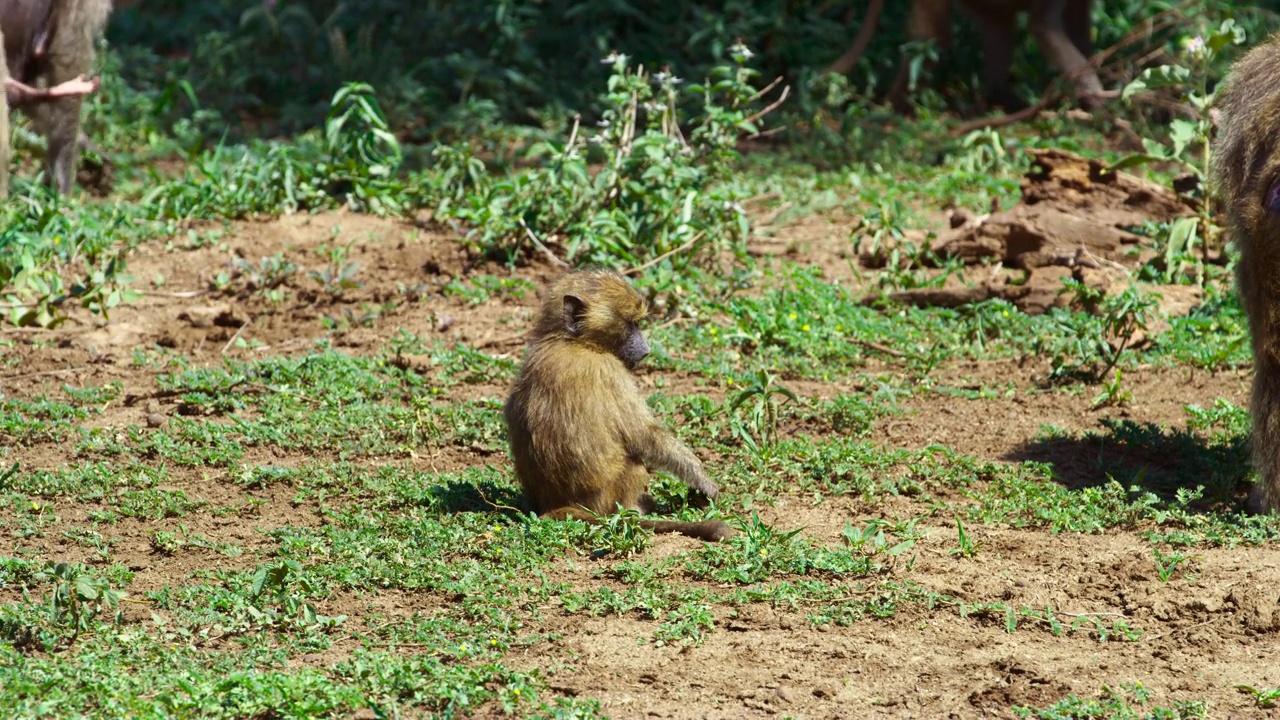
column 1195, row 46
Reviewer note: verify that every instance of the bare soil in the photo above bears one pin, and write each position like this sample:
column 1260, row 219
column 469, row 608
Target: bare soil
column 1203, row 633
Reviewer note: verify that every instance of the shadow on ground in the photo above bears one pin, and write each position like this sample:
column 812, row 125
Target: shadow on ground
column 1158, row 459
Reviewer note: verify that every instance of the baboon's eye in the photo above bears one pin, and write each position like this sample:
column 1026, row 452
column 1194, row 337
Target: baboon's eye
column 1273, row 198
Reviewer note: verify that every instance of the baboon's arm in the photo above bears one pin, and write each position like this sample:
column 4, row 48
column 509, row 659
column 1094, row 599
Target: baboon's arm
column 659, row 449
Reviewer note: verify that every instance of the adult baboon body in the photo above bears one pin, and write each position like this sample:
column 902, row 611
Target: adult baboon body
column 49, row 42
column 1246, row 173
column 580, row 431
column 1062, row 28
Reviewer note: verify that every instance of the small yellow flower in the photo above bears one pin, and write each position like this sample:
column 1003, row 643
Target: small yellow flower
column 805, row 327
column 792, row 316
column 462, row 648
column 713, row 331
column 496, row 527
column 493, row 642
column 516, row 692
column 728, row 381
column 764, row 553
column 839, row 327
column 1004, row 313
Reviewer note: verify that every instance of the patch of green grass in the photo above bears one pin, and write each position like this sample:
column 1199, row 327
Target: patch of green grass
column 330, row 532
column 1130, row 701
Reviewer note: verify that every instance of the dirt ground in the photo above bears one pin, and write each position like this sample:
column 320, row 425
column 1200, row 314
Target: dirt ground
column 1203, row 633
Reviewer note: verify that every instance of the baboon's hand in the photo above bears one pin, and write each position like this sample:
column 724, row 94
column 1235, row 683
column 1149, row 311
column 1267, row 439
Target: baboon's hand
column 708, row 488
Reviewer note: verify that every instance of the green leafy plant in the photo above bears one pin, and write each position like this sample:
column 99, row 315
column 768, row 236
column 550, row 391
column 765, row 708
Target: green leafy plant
column 281, row 591
column 760, row 431
column 1188, row 143
column 618, row 534
column 1167, row 563
column 1266, row 699
column 1092, row 340
column 1112, row 395
column 661, row 190
column 78, row 597
column 968, row 547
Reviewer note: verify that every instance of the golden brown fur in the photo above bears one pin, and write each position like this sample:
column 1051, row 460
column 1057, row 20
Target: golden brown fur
column 49, row 42
column 1061, row 27
column 1246, row 173
column 581, row 434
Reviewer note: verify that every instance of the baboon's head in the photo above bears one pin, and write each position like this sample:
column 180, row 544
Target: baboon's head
column 597, row 308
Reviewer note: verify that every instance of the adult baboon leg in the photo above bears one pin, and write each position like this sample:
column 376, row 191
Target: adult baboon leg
column 997, row 30
column 4, row 127
column 1077, row 20
column 866, row 31
column 1253, row 283
column 1048, row 24
column 1265, row 408
column 79, row 24
column 59, row 121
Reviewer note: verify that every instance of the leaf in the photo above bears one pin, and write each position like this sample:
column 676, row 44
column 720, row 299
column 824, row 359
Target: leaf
column 1182, row 132
column 259, row 579
column 1134, row 87
column 1182, row 235
column 901, row 547
column 86, row 587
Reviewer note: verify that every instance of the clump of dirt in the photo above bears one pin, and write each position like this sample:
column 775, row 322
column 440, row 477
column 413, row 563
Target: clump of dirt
column 1074, row 220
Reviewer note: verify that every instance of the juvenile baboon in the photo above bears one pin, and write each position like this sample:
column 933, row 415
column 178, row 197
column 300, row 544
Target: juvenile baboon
column 49, row 43
column 1246, row 172
column 580, row 431
column 1061, row 28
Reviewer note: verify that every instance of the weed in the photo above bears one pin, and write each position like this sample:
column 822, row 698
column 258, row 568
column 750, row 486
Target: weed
column 658, row 195
column 1131, row 701
column 281, row 589
column 1112, row 395
column 761, row 431
column 1166, row 564
column 618, row 534
column 1090, row 344
column 968, row 546
column 1188, row 145
column 1265, row 699
column 76, row 599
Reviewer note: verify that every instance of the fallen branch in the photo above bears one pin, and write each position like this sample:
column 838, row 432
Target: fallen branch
column 542, row 248
column 641, row 268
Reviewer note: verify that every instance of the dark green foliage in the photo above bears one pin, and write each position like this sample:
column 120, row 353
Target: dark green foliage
column 445, row 67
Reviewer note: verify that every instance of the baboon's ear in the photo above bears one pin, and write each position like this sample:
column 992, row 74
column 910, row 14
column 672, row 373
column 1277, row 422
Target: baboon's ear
column 574, row 312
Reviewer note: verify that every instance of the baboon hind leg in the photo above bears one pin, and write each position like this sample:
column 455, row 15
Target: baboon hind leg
column 1265, row 439
column 999, row 34
column 4, row 126
column 59, row 122
column 1058, row 26
column 71, row 53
